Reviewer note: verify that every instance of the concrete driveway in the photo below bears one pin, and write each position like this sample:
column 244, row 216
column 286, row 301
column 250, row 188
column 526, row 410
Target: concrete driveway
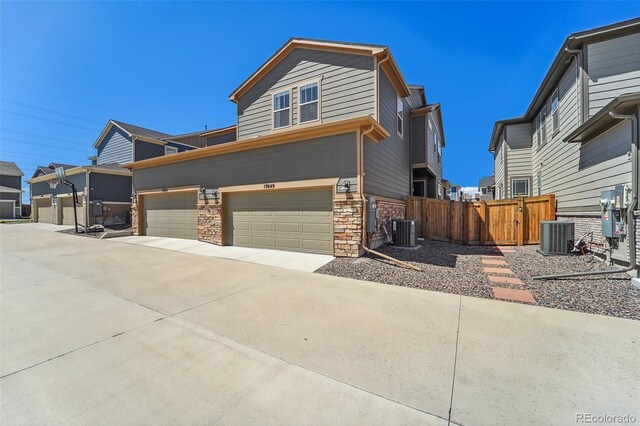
column 107, row 332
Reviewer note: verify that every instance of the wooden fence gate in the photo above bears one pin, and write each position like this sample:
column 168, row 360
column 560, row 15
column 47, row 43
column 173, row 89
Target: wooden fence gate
column 508, row 222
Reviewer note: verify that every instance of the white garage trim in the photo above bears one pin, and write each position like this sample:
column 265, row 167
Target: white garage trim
column 274, row 186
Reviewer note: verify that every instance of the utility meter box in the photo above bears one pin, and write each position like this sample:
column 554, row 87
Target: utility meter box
column 610, row 205
column 623, row 196
column 372, row 208
column 97, row 208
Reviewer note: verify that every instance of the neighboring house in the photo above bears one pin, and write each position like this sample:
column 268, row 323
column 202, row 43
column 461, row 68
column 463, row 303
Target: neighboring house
column 486, row 187
column 10, row 190
column 427, row 135
column 454, row 192
column 104, row 188
column 572, row 140
column 323, row 129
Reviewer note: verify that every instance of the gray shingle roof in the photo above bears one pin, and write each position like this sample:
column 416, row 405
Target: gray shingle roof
column 9, row 168
column 142, row 131
column 46, row 170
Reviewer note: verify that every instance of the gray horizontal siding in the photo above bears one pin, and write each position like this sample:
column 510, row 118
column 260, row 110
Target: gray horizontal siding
column 518, row 143
column 229, row 137
column 418, row 141
column 115, row 148
column 557, row 160
column 42, row 188
column 387, row 163
column 9, row 196
column 331, row 156
column 613, row 69
column 11, row 181
column 109, row 187
column 499, row 169
column 347, row 88
column 145, row 150
column 433, row 162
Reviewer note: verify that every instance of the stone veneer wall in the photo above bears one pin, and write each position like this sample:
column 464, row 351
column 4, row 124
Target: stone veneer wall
column 134, row 219
column 347, row 227
column 210, row 222
column 386, row 211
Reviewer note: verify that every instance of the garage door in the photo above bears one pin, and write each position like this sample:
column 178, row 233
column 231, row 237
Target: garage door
column 283, row 220
column 6, row 210
column 67, row 210
column 171, row 215
column 44, row 210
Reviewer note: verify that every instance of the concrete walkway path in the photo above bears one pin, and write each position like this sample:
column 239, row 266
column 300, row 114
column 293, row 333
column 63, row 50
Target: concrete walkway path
column 106, row 332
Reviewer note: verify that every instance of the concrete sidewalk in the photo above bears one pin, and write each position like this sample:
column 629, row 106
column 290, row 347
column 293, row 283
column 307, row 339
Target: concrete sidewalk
column 167, row 338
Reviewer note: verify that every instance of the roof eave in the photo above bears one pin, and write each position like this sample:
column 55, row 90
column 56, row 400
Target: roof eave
column 290, row 136
column 602, row 120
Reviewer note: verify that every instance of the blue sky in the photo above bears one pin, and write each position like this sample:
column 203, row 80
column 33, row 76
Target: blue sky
column 67, row 67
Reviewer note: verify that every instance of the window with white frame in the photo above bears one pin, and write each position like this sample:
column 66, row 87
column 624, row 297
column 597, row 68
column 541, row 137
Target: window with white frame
column 281, row 109
column 555, row 123
column 541, row 128
column 520, row 187
column 399, row 113
column 309, row 103
column 170, row 150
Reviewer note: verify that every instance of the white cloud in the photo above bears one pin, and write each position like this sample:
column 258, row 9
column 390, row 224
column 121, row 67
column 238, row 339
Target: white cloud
column 472, row 190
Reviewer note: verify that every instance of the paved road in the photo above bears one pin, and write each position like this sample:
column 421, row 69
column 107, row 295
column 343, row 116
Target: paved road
column 104, row 332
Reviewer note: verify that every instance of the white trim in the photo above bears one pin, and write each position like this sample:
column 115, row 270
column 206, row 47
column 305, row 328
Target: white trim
column 168, row 148
column 273, row 110
column 424, row 187
column 400, row 115
column 300, row 104
column 514, row 180
column 113, row 202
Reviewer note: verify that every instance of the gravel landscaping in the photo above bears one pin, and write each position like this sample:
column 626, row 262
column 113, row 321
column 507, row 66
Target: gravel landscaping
column 98, row 235
column 458, row 269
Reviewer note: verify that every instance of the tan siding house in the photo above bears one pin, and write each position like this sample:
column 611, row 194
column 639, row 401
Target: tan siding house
column 579, row 143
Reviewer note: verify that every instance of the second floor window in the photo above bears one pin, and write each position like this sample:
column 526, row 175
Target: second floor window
column 541, row 127
column 555, row 124
column 309, row 102
column 399, row 112
column 170, row 150
column 281, row 110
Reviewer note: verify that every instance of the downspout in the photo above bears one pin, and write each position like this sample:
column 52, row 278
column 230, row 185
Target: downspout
column 634, row 203
column 385, row 59
column 365, row 235
column 577, row 53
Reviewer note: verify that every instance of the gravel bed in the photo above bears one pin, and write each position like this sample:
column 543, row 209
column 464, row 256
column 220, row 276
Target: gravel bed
column 458, row 269
column 98, row 235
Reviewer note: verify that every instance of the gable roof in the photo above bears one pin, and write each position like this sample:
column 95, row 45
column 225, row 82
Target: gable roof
column 46, row 170
column 9, row 168
column 146, row 134
column 378, row 51
column 560, row 65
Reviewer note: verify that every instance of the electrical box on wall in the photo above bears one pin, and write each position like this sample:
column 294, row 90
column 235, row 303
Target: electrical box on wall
column 372, row 207
column 623, row 196
column 611, row 213
column 97, row 208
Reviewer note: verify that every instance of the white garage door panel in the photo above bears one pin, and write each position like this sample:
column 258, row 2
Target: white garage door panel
column 172, row 215
column 6, row 210
column 285, row 220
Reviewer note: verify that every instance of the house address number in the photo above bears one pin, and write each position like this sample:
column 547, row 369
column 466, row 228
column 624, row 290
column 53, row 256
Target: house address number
column 269, row 185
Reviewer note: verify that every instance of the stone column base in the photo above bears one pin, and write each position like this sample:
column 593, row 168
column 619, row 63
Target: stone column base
column 386, row 211
column 347, row 227
column 210, row 222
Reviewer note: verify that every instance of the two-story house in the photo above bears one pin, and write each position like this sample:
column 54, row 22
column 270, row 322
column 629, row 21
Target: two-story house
column 10, row 190
column 320, row 159
column 486, row 187
column 104, row 187
column 427, row 134
column 578, row 136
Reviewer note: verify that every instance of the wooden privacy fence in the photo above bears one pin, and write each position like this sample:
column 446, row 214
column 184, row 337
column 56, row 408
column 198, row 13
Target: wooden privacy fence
column 509, row 222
